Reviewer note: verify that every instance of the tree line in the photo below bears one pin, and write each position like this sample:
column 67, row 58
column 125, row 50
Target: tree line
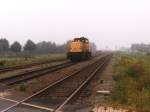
column 43, row 47
column 145, row 48
column 31, row 47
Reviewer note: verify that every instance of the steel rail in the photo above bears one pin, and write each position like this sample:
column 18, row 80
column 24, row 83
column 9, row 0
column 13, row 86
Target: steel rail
column 31, row 71
column 33, row 74
column 13, row 68
column 28, row 104
column 49, row 86
column 23, row 66
column 25, row 75
column 80, row 87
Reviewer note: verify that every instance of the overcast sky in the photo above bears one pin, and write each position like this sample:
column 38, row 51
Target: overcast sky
column 108, row 23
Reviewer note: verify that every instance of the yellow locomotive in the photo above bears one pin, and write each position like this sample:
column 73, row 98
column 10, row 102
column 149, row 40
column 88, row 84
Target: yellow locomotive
column 79, row 49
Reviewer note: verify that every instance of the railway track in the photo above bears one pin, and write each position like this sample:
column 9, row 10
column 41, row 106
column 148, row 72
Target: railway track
column 25, row 76
column 13, row 68
column 70, row 85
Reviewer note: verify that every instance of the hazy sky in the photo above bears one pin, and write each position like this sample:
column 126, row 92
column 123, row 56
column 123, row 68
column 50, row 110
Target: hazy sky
column 106, row 22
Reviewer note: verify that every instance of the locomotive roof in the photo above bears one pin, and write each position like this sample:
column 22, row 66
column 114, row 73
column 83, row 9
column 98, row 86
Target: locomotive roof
column 81, row 38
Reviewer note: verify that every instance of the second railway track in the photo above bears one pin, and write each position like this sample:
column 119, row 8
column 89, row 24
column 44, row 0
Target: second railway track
column 68, row 86
column 13, row 68
column 25, row 76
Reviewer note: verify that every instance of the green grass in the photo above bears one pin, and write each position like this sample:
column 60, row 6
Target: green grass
column 27, row 59
column 132, row 81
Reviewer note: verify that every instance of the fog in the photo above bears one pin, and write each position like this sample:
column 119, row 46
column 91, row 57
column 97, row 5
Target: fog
column 109, row 23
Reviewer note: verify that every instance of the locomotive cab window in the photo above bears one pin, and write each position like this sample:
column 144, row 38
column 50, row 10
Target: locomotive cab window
column 87, row 41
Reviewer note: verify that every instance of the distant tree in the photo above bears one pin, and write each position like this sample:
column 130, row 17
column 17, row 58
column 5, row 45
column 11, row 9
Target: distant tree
column 49, row 47
column 4, row 45
column 43, row 47
column 15, row 47
column 61, row 48
column 30, row 46
column 140, row 48
column 53, row 47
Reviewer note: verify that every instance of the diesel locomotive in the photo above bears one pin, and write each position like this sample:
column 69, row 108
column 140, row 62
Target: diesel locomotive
column 79, row 49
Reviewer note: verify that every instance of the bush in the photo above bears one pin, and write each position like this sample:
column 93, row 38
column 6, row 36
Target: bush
column 132, row 82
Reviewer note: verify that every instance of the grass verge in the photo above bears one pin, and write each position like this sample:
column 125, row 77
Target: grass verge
column 21, row 60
